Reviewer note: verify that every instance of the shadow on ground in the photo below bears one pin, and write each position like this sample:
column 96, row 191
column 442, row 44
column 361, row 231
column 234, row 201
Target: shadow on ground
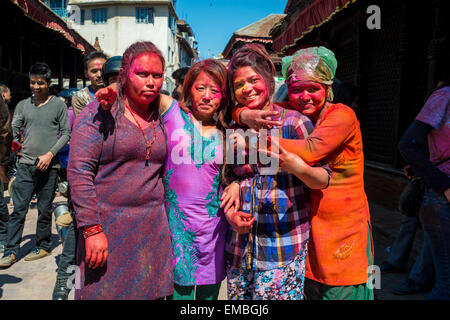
column 6, row 278
column 29, row 242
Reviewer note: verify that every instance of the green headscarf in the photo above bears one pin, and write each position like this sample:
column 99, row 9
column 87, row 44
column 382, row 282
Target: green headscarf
column 316, row 64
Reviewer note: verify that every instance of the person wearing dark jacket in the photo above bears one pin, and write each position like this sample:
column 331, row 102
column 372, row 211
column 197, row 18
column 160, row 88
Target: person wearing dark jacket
column 432, row 127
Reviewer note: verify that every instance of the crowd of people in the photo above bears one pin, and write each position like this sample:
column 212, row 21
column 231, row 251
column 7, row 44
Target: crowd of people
column 160, row 207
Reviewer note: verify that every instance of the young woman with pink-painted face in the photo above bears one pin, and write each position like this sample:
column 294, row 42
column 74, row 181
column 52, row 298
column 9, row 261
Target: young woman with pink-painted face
column 266, row 244
column 115, row 168
column 193, row 177
column 338, row 261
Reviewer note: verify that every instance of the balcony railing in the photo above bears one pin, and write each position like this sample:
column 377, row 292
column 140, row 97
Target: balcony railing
column 60, row 12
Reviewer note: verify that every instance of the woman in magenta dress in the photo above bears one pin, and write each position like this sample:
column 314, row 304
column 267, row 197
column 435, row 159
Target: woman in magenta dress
column 115, row 172
column 193, row 182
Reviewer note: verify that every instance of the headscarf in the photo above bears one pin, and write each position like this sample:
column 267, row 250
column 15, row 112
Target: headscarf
column 316, row 64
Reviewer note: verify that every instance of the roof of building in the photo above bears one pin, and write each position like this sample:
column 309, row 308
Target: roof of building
column 39, row 12
column 261, row 28
column 257, row 31
column 185, row 27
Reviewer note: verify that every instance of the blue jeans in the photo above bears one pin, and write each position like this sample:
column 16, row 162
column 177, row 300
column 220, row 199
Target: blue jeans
column 435, row 219
column 4, row 216
column 67, row 258
column 30, row 180
column 422, row 271
column 403, row 243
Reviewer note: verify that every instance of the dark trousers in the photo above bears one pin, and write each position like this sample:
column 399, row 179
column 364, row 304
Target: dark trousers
column 435, row 219
column 67, row 258
column 30, row 180
column 4, row 216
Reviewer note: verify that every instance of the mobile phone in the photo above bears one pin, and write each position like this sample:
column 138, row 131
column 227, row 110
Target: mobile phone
column 36, row 161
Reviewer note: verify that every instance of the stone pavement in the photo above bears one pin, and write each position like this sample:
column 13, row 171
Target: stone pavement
column 34, row 280
column 31, row 280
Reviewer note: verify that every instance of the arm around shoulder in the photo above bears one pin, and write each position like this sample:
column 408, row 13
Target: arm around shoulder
column 165, row 102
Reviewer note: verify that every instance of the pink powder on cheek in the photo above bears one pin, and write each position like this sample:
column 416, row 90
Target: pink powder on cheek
column 218, row 96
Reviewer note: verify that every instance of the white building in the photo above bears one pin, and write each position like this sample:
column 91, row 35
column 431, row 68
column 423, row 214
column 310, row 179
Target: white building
column 186, row 45
column 119, row 23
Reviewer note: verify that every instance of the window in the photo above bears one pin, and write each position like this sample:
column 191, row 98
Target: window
column 144, row 15
column 172, row 23
column 99, row 15
column 82, row 16
column 59, row 7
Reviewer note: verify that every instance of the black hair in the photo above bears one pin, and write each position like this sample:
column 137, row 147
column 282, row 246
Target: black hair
column 91, row 56
column 3, row 88
column 180, row 74
column 41, row 69
column 54, row 89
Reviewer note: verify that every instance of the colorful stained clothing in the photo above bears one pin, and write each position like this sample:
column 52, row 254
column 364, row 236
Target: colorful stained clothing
column 193, row 190
column 285, row 283
column 81, row 99
column 317, row 291
column 111, row 186
column 339, row 214
column 436, row 113
column 435, row 211
column 281, row 207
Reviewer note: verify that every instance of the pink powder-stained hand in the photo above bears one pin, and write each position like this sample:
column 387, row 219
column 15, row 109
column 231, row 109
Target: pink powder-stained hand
column 230, row 197
column 15, row 146
column 106, row 97
column 96, row 250
column 240, row 221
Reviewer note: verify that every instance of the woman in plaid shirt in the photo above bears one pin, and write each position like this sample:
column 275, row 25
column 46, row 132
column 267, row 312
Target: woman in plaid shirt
column 267, row 241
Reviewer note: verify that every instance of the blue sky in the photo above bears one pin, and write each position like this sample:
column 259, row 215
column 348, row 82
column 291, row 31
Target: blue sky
column 214, row 21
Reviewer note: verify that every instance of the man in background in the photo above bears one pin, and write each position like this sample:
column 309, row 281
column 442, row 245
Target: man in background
column 44, row 118
column 179, row 76
column 93, row 64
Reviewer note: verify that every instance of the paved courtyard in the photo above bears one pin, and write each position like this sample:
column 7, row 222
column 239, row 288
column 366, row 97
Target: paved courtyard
column 34, row 280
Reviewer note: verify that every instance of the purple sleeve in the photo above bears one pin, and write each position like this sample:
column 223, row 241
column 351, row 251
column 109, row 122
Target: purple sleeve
column 71, row 116
column 433, row 112
column 85, row 151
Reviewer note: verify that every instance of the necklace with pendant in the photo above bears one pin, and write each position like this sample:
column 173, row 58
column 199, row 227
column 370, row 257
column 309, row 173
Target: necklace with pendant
column 148, row 144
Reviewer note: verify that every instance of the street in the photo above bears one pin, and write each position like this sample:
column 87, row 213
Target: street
column 35, row 280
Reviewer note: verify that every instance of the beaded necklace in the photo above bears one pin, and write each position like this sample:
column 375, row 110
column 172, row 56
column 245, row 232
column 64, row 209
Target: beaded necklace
column 148, row 144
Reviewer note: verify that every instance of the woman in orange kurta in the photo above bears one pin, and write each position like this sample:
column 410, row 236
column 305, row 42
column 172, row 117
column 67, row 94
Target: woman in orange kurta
column 340, row 248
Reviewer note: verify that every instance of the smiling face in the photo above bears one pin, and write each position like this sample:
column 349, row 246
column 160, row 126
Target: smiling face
column 39, row 86
column 307, row 97
column 94, row 72
column 205, row 96
column 250, row 88
column 145, row 79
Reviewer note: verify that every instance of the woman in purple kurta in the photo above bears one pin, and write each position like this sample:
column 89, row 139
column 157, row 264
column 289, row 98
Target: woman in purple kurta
column 117, row 184
column 192, row 181
column 193, row 188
